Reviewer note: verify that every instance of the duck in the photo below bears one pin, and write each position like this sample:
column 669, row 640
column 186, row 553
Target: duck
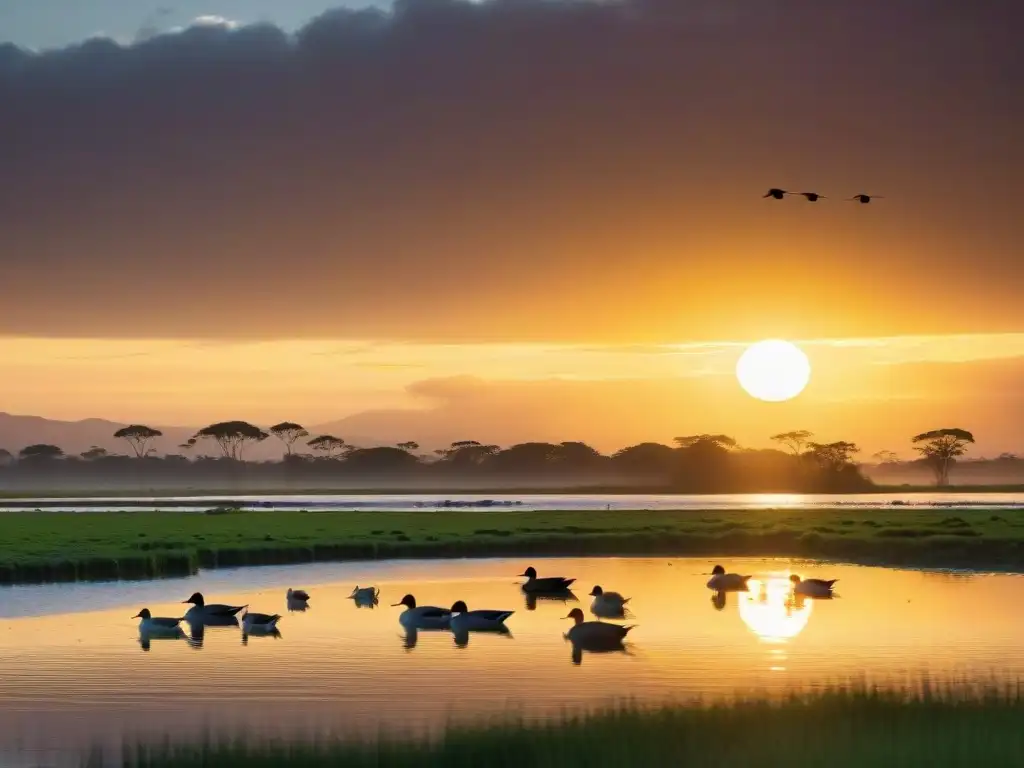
column 607, row 602
column 720, row 580
column 424, row 616
column 464, row 620
column 591, row 632
column 364, row 594
column 201, row 610
column 812, row 587
column 259, row 622
column 863, row 199
column 813, row 197
column 297, row 594
column 151, row 623
column 547, row 584
column 776, row 193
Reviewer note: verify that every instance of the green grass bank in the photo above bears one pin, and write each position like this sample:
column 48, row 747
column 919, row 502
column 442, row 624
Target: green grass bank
column 839, row 728
column 58, row 546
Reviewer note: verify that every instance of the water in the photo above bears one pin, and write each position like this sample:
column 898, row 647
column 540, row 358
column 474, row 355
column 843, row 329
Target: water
column 74, row 672
column 529, row 501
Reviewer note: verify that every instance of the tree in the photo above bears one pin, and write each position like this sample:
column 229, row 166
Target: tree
column 94, row 453
column 690, row 441
column 328, row 444
column 941, row 448
column 40, row 451
column 232, row 436
column 832, row 457
column 795, row 441
column 288, row 432
column 188, row 445
column 886, row 457
column 6, row 457
column 409, row 446
column 138, row 437
column 468, row 453
column 381, row 460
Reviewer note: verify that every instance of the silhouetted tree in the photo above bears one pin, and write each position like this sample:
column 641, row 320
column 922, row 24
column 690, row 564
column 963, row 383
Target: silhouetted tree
column 382, row 460
column 94, row 453
column 886, row 457
column 409, row 445
column 795, row 441
column 40, row 451
column 232, row 436
column 288, row 432
column 468, row 453
column 327, row 444
column 941, row 448
column 188, row 445
column 689, row 441
column 645, row 460
column 138, row 437
column 832, row 457
column 6, row 457
column 525, row 458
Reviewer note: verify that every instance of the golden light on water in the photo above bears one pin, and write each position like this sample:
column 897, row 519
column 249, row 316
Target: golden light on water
column 771, row 611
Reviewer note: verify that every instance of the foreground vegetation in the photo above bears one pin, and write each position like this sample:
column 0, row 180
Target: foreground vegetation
column 838, row 728
column 57, row 546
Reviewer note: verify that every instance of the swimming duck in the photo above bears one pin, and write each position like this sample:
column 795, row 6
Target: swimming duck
column 259, row 622
column 587, row 632
column 297, row 594
column 424, row 616
column 364, row 594
column 607, row 603
column 812, row 587
column 547, row 584
column 464, row 620
column 201, row 610
column 151, row 623
column 720, row 580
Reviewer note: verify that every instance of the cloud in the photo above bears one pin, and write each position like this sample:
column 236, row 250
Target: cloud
column 520, row 170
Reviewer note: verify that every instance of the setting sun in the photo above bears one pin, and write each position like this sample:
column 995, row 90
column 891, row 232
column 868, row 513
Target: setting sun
column 773, row 370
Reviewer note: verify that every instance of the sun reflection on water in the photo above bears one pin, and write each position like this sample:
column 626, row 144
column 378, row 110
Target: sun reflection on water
column 771, row 611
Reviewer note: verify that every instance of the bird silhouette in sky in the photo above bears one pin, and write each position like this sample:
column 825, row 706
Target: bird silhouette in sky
column 813, row 196
column 778, row 194
column 863, row 199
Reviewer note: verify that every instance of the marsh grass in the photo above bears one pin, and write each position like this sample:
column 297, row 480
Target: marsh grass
column 839, row 727
column 60, row 546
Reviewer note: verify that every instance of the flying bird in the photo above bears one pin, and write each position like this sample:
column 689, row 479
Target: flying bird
column 864, row 199
column 813, row 196
column 778, row 194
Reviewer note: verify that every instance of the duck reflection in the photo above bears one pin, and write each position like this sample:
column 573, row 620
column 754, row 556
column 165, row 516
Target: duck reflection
column 365, row 600
column 147, row 636
column 197, row 629
column 259, row 632
column 771, row 610
column 297, row 606
column 461, row 636
column 595, row 645
column 560, row 596
column 718, row 600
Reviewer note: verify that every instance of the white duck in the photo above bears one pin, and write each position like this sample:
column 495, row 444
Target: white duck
column 722, row 581
column 424, row 616
column 812, row 587
column 465, row 620
column 607, row 603
column 594, row 632
column 156, row 624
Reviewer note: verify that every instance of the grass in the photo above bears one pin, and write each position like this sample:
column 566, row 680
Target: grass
column 839, row 728
column 58, row 546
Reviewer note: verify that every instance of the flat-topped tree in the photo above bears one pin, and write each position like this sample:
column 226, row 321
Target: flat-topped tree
column 40, row 451
column 288, row 432
column 941, row 448
column 329, row 445
column 233, row 436
column 719, row 441
column 795, row 440
column 832, row 457
column 138, row 437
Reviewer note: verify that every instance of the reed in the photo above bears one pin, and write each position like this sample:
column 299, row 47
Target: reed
column 838, row 727
column 57, row 546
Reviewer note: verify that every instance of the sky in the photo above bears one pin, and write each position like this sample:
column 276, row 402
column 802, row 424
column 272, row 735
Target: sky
column 508, row 216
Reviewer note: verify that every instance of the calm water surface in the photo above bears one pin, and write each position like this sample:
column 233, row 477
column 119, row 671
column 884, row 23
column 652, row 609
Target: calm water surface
column 534, row 501
column 73, row 671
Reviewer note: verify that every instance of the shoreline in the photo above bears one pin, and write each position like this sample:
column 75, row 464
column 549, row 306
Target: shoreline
column 63, row 547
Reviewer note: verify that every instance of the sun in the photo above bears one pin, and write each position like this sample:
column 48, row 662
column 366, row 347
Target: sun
column 773, row 370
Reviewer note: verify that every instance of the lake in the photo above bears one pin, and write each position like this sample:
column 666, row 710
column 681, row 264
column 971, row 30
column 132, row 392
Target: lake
column 74, row 672
column 568, row 501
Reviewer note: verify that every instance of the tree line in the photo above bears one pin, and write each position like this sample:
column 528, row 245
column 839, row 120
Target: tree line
column 700, row 462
